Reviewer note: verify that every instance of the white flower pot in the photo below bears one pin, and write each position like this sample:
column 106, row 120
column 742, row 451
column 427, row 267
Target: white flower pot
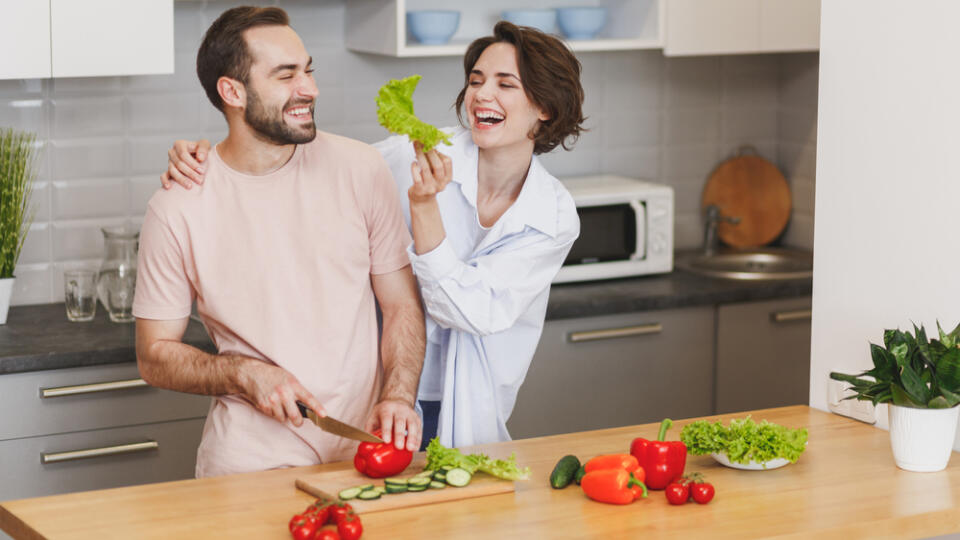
column 6, row 290
column 922, row 439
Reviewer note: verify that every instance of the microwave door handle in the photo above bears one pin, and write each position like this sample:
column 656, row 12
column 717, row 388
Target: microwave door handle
column 640, row 210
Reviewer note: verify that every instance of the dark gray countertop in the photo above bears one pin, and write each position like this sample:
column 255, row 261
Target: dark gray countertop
column 40, row 337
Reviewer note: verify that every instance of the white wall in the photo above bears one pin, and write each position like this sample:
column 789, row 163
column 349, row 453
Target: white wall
column 888, row 181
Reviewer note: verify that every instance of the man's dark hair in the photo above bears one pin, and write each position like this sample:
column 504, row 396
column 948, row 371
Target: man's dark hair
column 550, row 75
column 224, row 51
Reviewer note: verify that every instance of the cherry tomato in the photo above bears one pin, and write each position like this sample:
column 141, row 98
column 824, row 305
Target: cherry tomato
column 349, row 527
column 339, row 510
column 677, row 492
column 702, row 492
column 327, row 532
column 304, row 526
column 320, row 509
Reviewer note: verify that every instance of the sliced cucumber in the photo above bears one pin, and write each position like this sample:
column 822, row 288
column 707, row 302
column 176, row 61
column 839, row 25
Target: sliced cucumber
column 369, row 495
column 350, row 493
column 440, row 477
column 416, row 488
column 390, row 488
column 458, row 477
column 423, row 474
column 422, row 481
column 395, row 481
column 437, row 485
column 446, row 468
column 365, row 487
column 379, row 489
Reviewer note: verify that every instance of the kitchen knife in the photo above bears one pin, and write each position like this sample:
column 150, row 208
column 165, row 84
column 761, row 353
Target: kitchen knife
column 332, row 425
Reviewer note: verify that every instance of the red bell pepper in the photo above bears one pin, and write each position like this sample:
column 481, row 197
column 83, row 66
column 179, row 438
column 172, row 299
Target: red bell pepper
column 614, row 486
column 663, row 461
column 379, row 460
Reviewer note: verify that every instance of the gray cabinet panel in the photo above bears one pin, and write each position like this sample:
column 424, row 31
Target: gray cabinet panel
column 23, row 474
column 761, row 362
column 616, row 381
column 26, row 414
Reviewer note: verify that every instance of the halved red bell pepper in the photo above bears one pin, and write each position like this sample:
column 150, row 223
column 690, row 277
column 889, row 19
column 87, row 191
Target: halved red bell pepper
column 663, row 461
column 614, row 486
column 379, row 460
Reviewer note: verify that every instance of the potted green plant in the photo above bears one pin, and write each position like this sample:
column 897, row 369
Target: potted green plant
column 920, row 380
column 17, row 153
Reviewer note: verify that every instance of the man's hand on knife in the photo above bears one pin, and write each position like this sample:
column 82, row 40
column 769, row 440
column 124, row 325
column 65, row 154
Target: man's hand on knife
column 398, row 422
column 274, row 391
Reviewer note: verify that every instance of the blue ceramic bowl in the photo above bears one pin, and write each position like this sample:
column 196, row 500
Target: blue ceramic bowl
column 544, row 20
column 433, row 27
column 581, row 22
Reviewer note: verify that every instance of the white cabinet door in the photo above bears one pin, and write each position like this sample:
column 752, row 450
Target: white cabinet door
column 93, row 38
column 699, row 27
column 789, row 25
column 24, row 39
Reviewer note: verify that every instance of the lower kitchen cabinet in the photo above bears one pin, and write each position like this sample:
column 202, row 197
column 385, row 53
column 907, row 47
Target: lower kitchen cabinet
column 616, row 370
column 54, row 420
column 165, row 451
column 763, row 354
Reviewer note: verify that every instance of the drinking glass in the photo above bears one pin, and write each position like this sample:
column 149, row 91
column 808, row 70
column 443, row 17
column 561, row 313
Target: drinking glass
column 80, row 294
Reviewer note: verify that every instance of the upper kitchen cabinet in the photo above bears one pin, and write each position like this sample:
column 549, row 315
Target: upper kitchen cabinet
column 25, row 39
column 93, row 38
column 706, row 27
column 380, row 26
column 89, row 38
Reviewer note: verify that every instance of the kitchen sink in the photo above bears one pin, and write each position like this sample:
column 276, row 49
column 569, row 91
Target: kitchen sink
column 765, row 264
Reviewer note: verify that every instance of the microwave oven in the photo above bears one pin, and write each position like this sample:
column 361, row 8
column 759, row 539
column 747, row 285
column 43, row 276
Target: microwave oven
column 626, row 229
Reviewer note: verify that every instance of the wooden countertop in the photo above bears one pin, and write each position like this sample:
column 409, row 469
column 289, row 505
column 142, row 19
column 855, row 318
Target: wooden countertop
column 844, row 485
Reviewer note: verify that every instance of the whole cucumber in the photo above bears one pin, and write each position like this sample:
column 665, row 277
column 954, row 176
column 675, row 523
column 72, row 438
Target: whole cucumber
column 579, row 476
column 564, row 472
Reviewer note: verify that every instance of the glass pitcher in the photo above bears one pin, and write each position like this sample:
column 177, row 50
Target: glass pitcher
column 118, row 272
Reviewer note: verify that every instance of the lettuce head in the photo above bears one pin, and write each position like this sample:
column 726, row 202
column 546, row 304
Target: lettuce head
column 395, row 112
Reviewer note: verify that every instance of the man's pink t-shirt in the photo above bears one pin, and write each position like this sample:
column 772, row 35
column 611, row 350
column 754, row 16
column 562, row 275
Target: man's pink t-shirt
column 280, row 268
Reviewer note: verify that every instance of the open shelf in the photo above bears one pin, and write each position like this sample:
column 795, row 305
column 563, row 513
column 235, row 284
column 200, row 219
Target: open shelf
column 379, row 26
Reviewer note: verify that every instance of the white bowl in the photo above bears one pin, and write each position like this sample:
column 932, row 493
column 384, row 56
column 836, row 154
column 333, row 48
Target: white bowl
column 753, row 465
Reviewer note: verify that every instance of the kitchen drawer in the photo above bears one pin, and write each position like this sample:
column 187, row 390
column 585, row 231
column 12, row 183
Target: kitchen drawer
column 601, row 372
column 24, row 475
column 763, row 354
column 27, row 414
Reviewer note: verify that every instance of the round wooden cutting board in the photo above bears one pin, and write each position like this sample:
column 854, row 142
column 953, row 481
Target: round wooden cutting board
column 752, row 189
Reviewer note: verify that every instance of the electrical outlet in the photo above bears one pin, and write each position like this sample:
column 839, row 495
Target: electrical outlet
column 863, row 411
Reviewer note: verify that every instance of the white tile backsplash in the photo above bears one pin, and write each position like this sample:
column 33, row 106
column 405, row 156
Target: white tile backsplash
column 87, row 158
column 81, row 199
column 671, row 120
column 87, row 116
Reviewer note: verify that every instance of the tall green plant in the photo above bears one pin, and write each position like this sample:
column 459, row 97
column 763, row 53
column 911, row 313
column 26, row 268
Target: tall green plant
column 911, row 371
column 17, row 157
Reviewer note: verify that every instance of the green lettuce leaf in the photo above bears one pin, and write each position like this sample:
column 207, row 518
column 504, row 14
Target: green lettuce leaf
column 745, row 440
column 439, row 455
column 395, row 112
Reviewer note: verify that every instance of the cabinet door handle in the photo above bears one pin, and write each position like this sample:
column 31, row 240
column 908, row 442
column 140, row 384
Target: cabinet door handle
column 92, row 388
column 610, row 333
column 787, row 316
column 73, row 455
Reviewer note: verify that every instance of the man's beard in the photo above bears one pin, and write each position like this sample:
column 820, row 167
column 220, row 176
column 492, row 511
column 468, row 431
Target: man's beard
column 273, row 129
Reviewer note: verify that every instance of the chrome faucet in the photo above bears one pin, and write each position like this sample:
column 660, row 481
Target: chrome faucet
column 710, row 234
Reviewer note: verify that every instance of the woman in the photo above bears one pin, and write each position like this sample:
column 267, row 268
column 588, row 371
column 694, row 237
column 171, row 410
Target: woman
column 486, row 250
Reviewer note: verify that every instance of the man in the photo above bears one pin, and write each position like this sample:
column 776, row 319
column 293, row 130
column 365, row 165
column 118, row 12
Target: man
column 285, row 247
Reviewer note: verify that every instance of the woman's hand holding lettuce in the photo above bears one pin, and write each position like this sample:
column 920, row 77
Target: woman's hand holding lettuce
column 745, row 440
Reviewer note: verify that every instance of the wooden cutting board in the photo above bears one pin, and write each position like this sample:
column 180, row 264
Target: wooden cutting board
column 329, row 483
column 752, row 189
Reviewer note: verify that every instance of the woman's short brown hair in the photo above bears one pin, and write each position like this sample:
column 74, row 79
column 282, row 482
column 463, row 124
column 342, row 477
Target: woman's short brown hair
column 550, row 75
column 224, row 51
